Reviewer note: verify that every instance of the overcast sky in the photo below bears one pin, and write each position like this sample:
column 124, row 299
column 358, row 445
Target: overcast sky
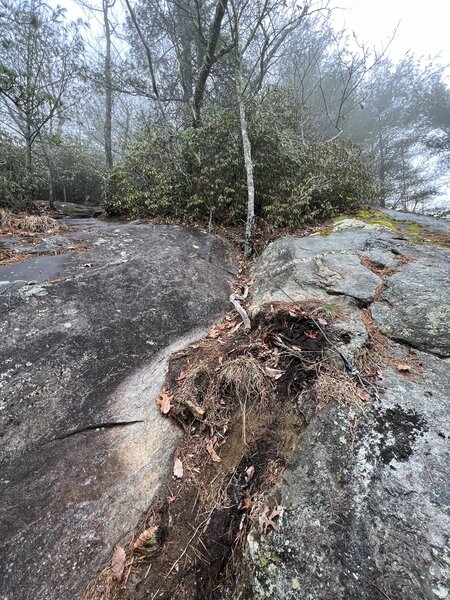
column 423, row 26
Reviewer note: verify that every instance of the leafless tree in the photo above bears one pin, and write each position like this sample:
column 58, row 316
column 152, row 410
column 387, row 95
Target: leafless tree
column 38, row 58
column 259, row 31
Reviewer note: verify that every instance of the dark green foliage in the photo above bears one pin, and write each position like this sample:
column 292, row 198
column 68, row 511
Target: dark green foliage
column 331, row 179
column 78, row 174
column 199, row 173
column 12, row 174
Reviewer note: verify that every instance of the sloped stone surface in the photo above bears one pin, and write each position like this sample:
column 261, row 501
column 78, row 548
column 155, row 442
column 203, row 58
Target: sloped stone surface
column 83, row 446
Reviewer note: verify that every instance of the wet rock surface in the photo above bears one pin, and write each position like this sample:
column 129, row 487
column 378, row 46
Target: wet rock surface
column 430, row 222
column 416, row 307
column 364, row 502
column 84, row 348
column 71, row 209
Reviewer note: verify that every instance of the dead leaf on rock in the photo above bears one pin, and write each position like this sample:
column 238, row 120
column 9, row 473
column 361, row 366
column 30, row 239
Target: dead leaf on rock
column 266, row 520
column 248, row 501
column 118, row 562
column 147, row 538
column 178, row 468
column 404, row 368
column 164, row 403
column 210, row 448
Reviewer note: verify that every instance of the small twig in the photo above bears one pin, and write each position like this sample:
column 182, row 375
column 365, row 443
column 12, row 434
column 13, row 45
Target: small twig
column 382, row 592
column 244, row 421
column 147, row 571
column 210, row 224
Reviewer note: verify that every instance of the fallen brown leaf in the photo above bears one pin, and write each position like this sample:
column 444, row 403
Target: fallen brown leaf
column 178, row 468
column 195, row 409
column 147, row 538
column 118, row 562
column 404, row 368
column 311, row 334
column 181, row 376
column 362, row 394
column 248, row 501
column 266, row 520
column 164, row 403
column 219, row 329
column 274, row 373
column 210, row 448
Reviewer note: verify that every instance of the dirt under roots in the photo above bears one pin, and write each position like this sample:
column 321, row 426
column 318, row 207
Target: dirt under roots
column 235, row 394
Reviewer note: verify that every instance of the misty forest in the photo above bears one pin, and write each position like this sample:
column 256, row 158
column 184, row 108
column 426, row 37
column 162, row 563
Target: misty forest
column 210, row 110
column 224, row 301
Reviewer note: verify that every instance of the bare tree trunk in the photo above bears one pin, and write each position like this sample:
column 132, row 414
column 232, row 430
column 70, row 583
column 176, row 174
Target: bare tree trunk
column 208, row 61
column 108, row 87
column 150, row 64
column 183, row 24
column 49, row 169
column 51, row 195
column 250, row 222
column 382, row 168
column 28, row 161
column 249, row 226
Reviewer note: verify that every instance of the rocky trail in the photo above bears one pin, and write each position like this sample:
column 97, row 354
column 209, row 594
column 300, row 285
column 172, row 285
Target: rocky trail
column 146, row 455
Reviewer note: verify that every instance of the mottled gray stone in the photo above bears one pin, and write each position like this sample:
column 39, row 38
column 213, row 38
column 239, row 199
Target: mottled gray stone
column 429, row 222
column 365, row 517
column 313, row 268
column 29, row 272
column 344, row 274
column 382, row 258
column 71, row 209
column 83, row 447
column 416, row 307
column 365, row 502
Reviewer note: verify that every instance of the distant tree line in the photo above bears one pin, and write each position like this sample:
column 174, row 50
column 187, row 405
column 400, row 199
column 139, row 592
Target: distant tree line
column 213, row 109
